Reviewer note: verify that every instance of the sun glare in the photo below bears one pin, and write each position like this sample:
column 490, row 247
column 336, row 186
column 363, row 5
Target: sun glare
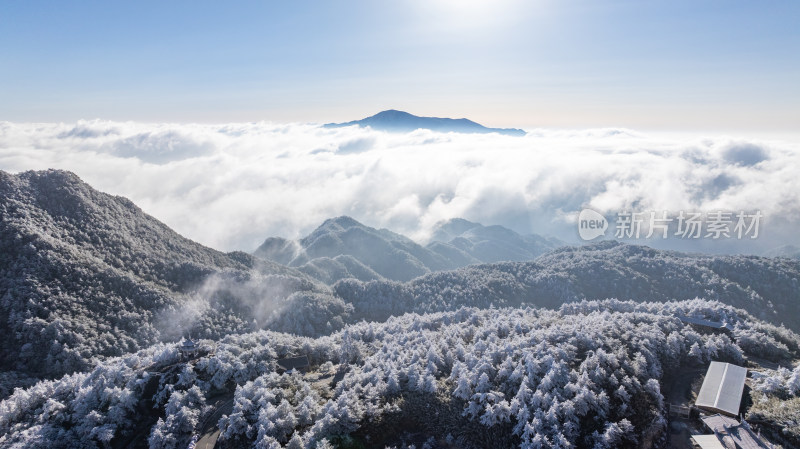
column 452, row 15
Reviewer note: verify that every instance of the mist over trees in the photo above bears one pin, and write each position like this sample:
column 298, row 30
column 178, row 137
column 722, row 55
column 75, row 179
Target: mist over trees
column 84, row 275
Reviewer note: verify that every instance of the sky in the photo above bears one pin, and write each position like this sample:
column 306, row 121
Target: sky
column 646, row 65
column 206, row 114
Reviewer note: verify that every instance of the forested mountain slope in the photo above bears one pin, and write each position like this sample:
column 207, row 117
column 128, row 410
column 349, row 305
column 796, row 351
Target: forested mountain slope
column 343, row 248
column 91, row 285
column 587, row 375
column 86, row 274
column 490, row 244
column 767, row 288
column 372, row 252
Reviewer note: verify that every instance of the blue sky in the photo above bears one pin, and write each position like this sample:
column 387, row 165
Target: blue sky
column 671, row 65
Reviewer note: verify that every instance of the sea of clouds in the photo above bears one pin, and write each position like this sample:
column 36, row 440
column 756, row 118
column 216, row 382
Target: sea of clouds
column 231, row 186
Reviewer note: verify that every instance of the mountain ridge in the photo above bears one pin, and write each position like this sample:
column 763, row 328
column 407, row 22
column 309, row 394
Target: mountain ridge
column 85, row 275
column 395, row 257
column 766, row 287
column 400, row 121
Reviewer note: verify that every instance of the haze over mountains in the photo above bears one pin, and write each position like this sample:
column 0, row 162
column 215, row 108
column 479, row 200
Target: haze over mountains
column 400, row 121
column 789, row 251
column 342, row 248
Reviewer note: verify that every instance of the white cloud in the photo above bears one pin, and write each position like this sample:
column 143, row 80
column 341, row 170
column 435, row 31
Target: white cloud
column 230, row 186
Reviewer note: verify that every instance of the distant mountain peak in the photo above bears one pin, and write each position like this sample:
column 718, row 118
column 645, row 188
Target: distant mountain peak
column 342, row 221
column 401, row 121
column 449, row 229
column 392, row 113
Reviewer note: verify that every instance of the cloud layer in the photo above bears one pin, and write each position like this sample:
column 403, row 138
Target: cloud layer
column 231, row 186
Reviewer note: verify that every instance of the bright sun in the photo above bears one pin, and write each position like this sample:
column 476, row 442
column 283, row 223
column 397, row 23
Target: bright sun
column 470, row 14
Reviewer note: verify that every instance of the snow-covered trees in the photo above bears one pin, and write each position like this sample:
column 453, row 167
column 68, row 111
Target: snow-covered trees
column 270, row 408
column 183, row 412
column 783, row 381
column 85, row 275
column 766, row 288
column 310, row 314
column 776, row 399
column 586, row 375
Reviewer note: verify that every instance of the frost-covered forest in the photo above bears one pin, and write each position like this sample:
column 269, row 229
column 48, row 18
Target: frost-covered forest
column 586, row 375
column 766, row 287
column 85, row 275
column 569, row 349
column 777, row 399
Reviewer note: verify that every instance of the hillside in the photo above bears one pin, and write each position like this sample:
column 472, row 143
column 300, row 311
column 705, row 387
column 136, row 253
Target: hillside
column 588, row 375
column 84, row 275
column 767, row 288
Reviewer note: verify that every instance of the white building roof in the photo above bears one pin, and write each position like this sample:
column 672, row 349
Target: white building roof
column 737, row 433
column 722, row 388
column 708, row 441
column 702, row 322
column 719, row 423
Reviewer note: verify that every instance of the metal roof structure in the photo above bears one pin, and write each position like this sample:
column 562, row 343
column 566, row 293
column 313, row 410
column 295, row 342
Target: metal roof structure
column 708, row 442
column 722, row 389
column 702, row 322
column 718, row 423
column 732, row 430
